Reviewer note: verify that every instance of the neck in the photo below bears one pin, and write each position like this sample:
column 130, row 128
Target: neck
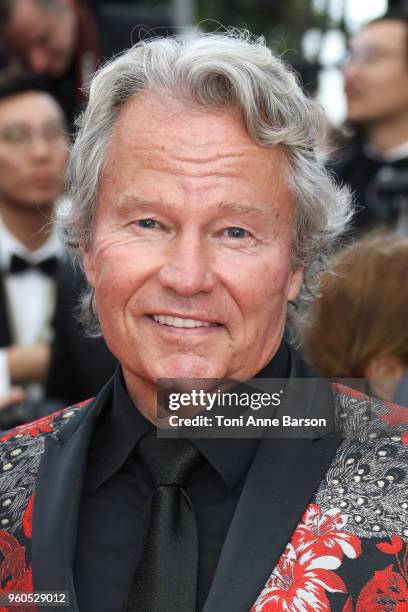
column 31, row 227
column 388, row 134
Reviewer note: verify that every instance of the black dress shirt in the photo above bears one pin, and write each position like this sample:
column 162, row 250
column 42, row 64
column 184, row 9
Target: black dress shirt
column 115, row 505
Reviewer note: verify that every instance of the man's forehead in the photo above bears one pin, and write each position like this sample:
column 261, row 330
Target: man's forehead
column 14, row 108
column 185, row 119
column 390, row 33
column 164, row 150
column 26, row 20
column 158, row 127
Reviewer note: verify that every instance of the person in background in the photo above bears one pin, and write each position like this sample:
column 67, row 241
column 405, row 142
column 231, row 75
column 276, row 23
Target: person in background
column 79, row 364
column 33, row 153
column 360, row 318
column 36, row 276
column 65, row 40
column 375, row 163
column 203, row 217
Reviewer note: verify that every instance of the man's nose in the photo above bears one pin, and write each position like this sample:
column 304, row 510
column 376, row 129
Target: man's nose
column 40, row 147
column 38, row 60
column 187, row 269
column 351, row 71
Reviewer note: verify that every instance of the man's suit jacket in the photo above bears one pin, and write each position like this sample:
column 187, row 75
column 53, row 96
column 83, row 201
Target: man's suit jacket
column 79, row 365
column 5, row 329
column 353, row 167
column 321, row 524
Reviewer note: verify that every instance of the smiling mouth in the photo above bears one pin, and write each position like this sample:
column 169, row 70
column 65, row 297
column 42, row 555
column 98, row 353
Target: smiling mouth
column 181, row 322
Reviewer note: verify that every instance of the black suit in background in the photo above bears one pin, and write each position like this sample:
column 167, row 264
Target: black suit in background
column 355, row 168
column 5, row 331
column 30, row 409
column 79, row 365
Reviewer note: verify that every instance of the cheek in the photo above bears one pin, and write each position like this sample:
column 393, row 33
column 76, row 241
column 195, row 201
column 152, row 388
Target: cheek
column 120, row 271
column 12, row 179
column 61, row 159
column 260, row 285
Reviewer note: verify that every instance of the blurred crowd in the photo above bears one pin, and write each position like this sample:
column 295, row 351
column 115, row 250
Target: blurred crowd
column 49, row 50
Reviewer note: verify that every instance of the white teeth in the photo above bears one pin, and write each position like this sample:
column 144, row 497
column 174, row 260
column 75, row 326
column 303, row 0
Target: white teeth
column 179, row 322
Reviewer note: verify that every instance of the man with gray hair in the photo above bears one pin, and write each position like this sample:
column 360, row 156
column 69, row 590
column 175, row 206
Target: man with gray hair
column 201, row 209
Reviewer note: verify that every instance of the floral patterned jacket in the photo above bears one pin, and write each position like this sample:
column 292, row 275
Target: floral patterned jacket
column 348, row 552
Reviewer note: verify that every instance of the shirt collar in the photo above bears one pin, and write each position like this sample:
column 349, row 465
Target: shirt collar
column 10, row 245
column 390, row 156
column 232, row 457
column 121, row 427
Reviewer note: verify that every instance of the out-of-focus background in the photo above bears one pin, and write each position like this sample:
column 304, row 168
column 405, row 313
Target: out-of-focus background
column 311, row 34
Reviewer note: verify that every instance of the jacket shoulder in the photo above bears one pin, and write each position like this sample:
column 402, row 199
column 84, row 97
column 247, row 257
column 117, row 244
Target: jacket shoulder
column 361, row 415
column 21, row 450
column 368, row 478
column 51, row 424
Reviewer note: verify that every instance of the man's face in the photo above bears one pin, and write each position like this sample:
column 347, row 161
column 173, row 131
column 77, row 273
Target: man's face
column 376, row 76
column 33, row 150
column 43, row 39
column 190, row 257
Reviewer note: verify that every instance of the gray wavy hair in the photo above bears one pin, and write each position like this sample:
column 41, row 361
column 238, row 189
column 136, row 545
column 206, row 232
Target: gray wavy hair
column 212, row 71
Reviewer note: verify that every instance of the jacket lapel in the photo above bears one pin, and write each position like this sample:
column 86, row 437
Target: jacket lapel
column 282, row 480
column 57, row 496
column 5, row 332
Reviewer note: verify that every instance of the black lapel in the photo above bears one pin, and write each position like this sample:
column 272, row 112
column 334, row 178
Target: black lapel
column 5, row 332
column 282, row 480
column 57, row 496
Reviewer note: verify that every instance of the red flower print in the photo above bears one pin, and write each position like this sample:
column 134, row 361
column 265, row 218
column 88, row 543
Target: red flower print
column 25, row 585
column 299, row 582
column 32, row 429
column 348, row 606
column 393, row 548
column 324, row 532
column 13, row 563
column 386, row 591
column 305, row 570
column 83, row 403
column 13, row 569
column 28, row 518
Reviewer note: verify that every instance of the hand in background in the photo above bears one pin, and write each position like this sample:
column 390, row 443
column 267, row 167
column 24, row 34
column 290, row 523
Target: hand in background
column 16, row 395
column 28, row 363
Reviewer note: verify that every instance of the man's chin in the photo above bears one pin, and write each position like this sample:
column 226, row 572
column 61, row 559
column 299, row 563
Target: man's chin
column 184, row 370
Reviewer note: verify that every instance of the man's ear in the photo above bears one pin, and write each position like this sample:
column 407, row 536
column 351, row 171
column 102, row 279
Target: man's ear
column 384, row 373
column 295, row 283
column 89, row 265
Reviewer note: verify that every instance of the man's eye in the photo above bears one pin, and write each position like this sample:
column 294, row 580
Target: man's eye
column 16, row 135
column 148, row 223
column 236, row 232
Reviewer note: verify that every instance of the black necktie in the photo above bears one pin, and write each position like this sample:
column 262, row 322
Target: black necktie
column 166, row 578
column 47, row 266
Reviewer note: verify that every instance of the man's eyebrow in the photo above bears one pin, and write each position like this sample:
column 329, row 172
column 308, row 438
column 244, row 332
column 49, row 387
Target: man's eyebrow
column 130, row 201
column 235, row 207
column 243, row 209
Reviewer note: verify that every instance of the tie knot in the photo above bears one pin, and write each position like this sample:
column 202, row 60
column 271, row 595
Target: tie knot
column 169, row 460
